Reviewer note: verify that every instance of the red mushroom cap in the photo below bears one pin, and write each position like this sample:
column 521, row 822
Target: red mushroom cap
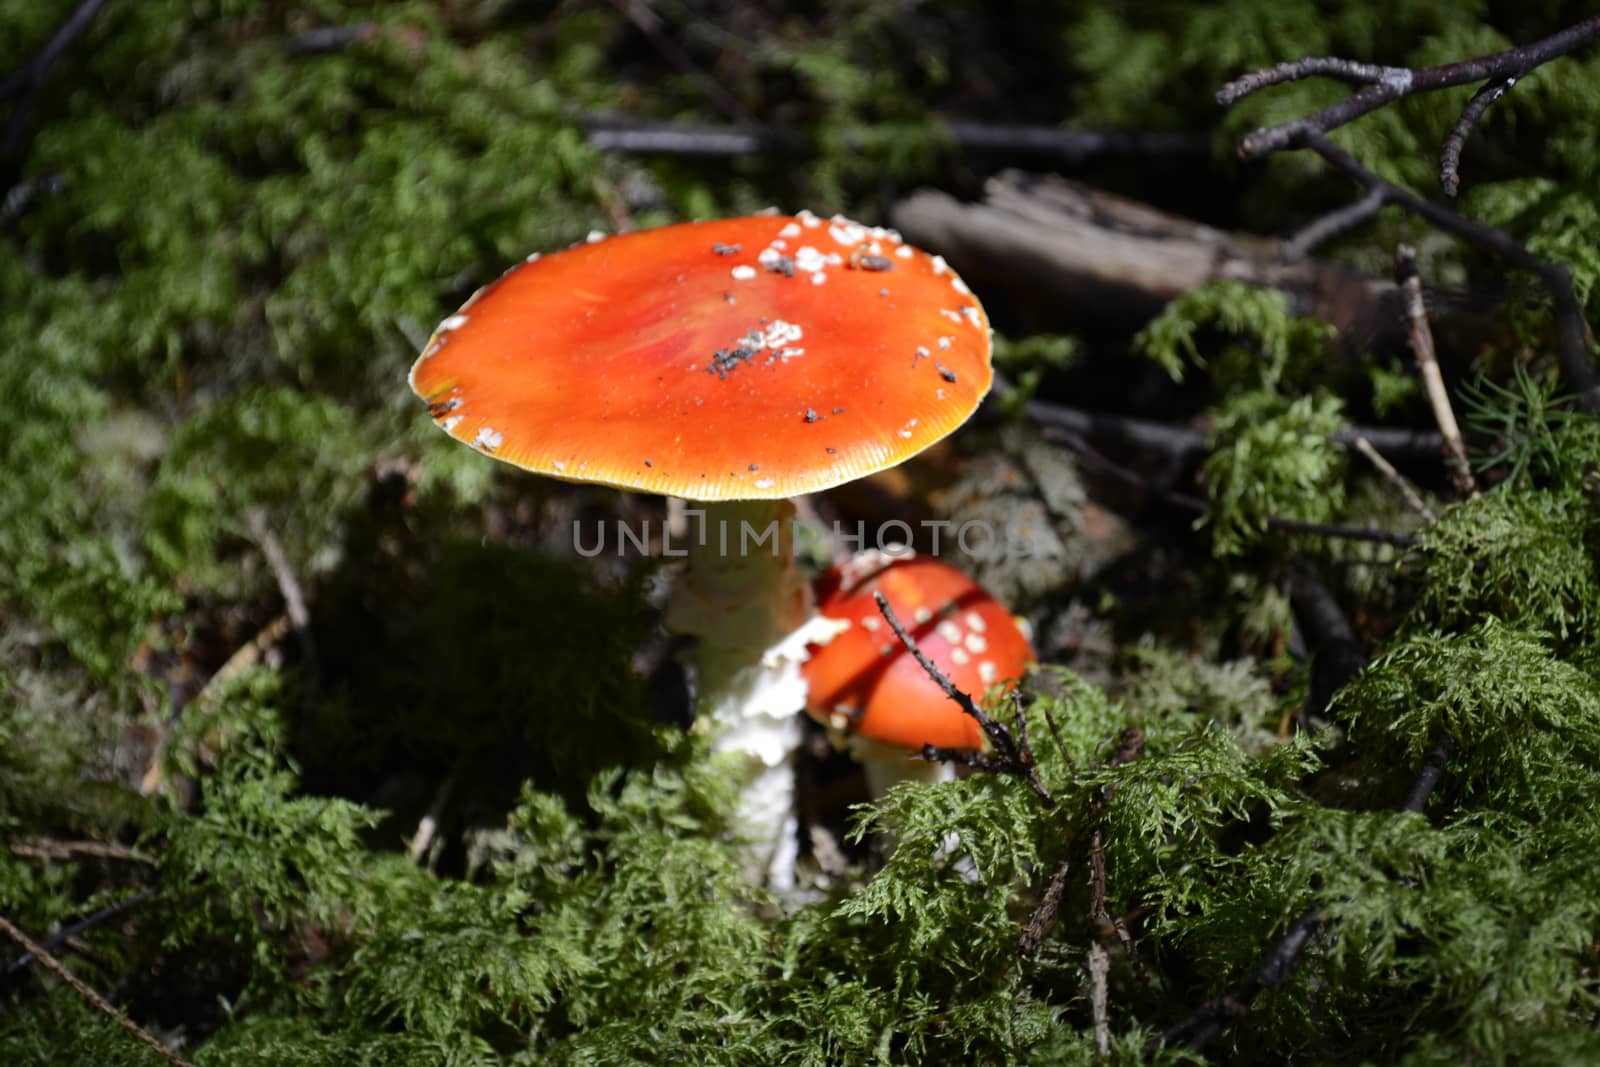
column 865, row 682
column 737, row 359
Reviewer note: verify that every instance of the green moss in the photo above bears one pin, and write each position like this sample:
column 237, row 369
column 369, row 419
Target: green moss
column 221, row 255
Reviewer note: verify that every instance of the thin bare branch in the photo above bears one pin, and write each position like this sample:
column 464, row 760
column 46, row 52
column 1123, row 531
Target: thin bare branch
column 647, row 22
column 294, row 597
column 1406, row 276
column 47, row 849
column 1450, row 154
column 322, row 40
column 1384, row 85
column 645, row 137
column 1331, row 225
column 1433, row 765
column 26, row 81
column 1044, row 915
column 73, row 929
column 1574, row 345
column 1199, row 1027
column 1098, row 965
column 422, row 848
column 1182, row 442
column 1407, row 491
column 1345, row 70
column 1011, row 756
column 1130, row 746
column 34, row 70
column 95, row 1000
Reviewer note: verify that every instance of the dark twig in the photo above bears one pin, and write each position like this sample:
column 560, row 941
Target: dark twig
column 1055, row 734
column 323, row 40
column 73, row 929
column 1421, row 336
column 1011, row 755
column 647, row 22
column 1044, row 916
column 95, row 1000
column 1370, row 534
column 1384, row 85
column 616, row 134
column 1197, row 1029
column 1433, row 765
column 1450, row 154
column 626, row 134
column 1336, row 653
column 1331, row 225
column 1196, row 506
column 1574, row 346
column 26, row 81
column 1345, row 70
column 31, row 73
column 1182, row 443
column 1073, row 146
column 1130, row 745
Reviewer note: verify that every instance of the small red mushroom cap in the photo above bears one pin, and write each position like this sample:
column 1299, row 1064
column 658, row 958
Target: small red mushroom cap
column 865, row 683
column 737, row 359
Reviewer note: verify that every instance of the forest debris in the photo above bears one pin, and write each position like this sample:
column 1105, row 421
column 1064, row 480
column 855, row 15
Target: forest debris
column 1384, row 85
column 95, row 1000
column 1405, row 273
column 1042, row 238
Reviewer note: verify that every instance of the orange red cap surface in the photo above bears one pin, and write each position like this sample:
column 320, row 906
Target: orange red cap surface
column 735, row 359
column 865, row 682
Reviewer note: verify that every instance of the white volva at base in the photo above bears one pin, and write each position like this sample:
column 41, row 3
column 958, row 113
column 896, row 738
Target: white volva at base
column 751, row 615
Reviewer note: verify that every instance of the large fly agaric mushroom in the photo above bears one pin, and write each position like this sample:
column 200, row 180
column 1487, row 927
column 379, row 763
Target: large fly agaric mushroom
column 872, row 693
column 736, row 362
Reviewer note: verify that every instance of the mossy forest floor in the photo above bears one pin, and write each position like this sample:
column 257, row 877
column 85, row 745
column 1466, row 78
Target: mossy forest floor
column 321, row 744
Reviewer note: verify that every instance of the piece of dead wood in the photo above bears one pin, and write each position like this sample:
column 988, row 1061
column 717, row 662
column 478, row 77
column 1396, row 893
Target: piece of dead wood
column 1066, row 255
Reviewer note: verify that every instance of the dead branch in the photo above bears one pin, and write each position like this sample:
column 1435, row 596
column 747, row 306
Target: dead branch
column 1456, row 140
column 324, row 40
column 95, row 1000
column 1199, row 1027
column 294, row 597
column 1195, row 506
column 1044, row 916
column 618, row 133
column 1012, row 754
column 47, row 849
column 32, row 73
column 1433, row 765
column 1384, row 85
column 26, row 81
column 1321, row 230
column 1068, row 255
column 647, row 22
column 1405, row 273
column 1574, row 345
column 1098, row 965
column 1407, row 491
column 1180, row 442
column 73, row 929
column 1130, row 746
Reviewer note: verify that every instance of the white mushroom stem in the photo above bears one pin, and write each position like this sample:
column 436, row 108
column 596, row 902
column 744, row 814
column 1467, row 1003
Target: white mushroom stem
column 886, row 767
column 746, row 605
